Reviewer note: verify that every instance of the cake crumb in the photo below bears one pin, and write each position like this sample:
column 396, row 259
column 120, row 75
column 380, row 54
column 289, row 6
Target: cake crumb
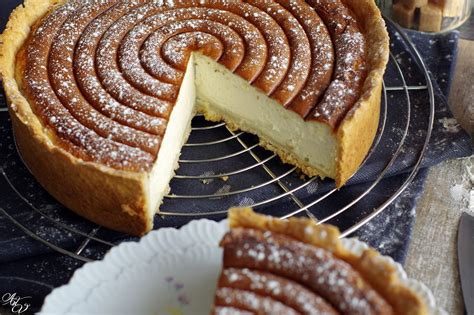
column 450, row 125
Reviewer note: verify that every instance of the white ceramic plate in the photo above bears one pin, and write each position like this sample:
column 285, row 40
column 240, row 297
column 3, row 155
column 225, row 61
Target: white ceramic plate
column 169, row 272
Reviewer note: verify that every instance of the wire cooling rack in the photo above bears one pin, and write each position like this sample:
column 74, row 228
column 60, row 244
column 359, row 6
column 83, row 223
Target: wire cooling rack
column 203, row 185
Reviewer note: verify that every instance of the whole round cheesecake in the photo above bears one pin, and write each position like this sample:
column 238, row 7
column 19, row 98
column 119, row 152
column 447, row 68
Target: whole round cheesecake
column 101, row 93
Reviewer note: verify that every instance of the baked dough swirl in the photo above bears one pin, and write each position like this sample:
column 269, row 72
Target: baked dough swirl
column 296, row 266
column 105, row 75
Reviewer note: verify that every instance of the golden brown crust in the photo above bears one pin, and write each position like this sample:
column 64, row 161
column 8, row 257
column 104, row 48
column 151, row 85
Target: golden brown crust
column 357, row 131
column 371, row 265
column 111, row 198
column 307, row 231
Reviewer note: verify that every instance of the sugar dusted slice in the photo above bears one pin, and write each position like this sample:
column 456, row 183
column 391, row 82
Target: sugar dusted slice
column 273, row 266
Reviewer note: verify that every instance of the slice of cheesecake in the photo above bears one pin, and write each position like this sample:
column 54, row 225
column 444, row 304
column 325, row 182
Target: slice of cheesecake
column 297, row 266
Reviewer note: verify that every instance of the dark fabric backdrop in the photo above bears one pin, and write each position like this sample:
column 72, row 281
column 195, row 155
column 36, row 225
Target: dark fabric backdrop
column 29, row 268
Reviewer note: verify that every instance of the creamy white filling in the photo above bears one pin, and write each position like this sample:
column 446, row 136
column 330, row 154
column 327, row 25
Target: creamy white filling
column 222, row 93
column 177, row 132
column 228, row 95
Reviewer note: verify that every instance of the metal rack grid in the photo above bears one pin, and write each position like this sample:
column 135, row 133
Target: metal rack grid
column 249, row 148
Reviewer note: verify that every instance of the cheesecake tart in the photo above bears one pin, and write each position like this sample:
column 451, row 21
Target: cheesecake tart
column 101, row 92
column 296, row 266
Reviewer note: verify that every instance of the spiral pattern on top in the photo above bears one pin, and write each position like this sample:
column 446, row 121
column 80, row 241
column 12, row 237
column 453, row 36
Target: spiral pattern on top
column 104, row 75
column 275, row 273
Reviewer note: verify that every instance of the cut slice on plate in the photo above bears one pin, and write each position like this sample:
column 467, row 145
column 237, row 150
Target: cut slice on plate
column 295, row 266
column 179, row 269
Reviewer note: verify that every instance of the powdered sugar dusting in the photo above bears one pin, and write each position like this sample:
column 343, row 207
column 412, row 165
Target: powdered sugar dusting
column 105, row 75
column 252, row 301
column 331, row 278
column 280, row 289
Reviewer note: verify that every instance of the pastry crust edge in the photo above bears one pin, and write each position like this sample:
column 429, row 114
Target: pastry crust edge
column 372, row 266
column 357, row 131
column 111, row 198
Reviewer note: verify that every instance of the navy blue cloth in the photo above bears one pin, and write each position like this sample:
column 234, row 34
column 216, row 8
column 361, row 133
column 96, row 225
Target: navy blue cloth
column 30, row 268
